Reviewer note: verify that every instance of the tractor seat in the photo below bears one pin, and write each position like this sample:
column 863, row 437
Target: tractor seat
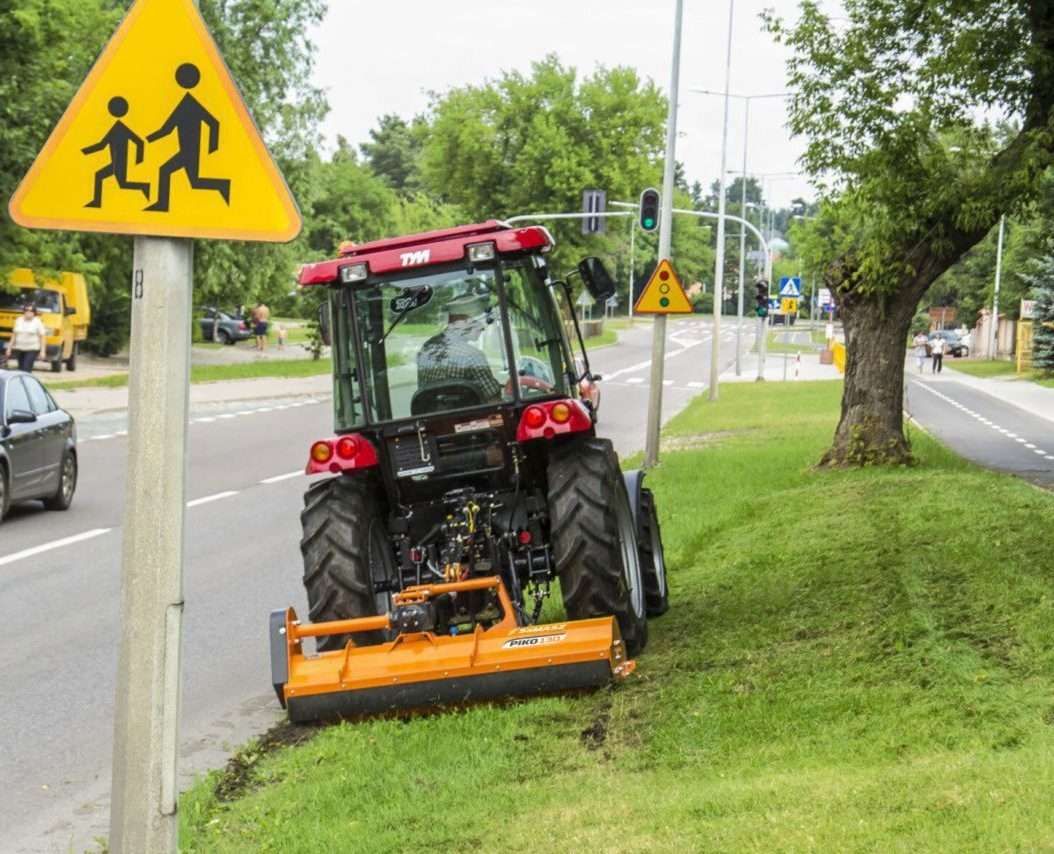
column 442, row 398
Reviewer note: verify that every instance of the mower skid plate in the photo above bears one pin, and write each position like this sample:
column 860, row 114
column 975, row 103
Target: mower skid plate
column 417, row 671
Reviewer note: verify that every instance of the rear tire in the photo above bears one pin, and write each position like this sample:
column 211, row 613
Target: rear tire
column 63, row 497
column 5, row 492
column 71, row 362
column 346, row 549
column 594, row 538
column 224, row 337
column 652, row 558
column 56, row 366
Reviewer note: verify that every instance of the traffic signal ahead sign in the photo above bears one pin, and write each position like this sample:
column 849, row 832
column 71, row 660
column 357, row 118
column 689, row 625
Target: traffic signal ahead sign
column 663, row 294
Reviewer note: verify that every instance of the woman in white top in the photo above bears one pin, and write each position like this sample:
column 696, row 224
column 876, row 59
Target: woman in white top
column 28, row 340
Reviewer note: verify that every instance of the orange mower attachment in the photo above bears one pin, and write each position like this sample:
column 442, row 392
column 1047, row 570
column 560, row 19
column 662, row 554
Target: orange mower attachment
column 420, row 669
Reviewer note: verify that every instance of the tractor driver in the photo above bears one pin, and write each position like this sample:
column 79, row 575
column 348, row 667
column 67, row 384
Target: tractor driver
column 451, row 356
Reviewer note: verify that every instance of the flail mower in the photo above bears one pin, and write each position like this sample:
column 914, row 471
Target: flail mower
column 466, row 477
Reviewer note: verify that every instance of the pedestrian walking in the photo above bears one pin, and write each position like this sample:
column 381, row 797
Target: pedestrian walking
column 28, row 340
column 919, row 343
column 937, row 352
column 261, row 322
column 280, row 333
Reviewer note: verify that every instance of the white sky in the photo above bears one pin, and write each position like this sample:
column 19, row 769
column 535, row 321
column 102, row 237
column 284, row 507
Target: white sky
column 384, row 57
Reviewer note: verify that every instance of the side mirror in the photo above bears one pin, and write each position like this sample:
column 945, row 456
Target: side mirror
column 325, row 329
column 596, row 279
column 70, row 310
column 21, row 416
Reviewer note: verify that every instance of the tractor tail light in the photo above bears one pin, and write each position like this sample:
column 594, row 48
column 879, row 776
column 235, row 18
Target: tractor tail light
column 344, row 453
column 551, row 419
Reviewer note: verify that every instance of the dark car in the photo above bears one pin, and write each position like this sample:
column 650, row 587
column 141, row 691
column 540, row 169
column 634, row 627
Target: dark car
column 38, row 445
column 955, row 345
column 225, row 328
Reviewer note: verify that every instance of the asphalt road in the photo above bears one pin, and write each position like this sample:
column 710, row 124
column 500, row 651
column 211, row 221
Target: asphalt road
column 60, row 583
column 983, row 428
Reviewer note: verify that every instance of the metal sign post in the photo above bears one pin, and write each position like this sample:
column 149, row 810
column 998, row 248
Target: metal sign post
column 146, row 725
column 658, row 341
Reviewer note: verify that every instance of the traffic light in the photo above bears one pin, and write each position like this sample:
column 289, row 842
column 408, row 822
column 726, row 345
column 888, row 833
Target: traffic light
column 649, row 209
column 761, row 298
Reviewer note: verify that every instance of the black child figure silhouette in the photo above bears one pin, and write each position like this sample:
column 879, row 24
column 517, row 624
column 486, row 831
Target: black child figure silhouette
column 186, row 120
column 118, row 138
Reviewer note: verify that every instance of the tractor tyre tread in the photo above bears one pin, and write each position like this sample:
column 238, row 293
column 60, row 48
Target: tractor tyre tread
column 336, row 522
column 656, row 588
column 584, row 482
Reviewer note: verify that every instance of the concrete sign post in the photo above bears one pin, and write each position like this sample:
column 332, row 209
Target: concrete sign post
column 157, row 143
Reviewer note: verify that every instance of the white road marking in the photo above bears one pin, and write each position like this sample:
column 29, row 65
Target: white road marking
column 1039, row 451
column 103, row 436
column 55, row 544
column 280, row 477
column 667, row 382
column 1030, row 446
column 635, row 380
column 209, row 498
column 205, row 420
column 696, row 385
column 230, row 415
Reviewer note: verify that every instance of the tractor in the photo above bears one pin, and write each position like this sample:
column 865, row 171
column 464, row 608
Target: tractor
column 466, row 480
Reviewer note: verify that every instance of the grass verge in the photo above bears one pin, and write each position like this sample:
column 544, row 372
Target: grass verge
column 845, row 667
column 997, row 368
column 215, row 373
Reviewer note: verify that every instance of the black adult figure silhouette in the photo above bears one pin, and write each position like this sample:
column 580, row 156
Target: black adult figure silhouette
column 118, row 138
column 186, row 120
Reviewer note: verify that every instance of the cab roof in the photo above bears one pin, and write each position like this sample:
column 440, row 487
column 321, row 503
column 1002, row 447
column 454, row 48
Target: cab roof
column 421, row 250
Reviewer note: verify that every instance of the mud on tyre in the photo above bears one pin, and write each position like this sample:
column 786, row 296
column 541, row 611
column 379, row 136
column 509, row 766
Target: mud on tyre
column 346, row 555
column 594, row 538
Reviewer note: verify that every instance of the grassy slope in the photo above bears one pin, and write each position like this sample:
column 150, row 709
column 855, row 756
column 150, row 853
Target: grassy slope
column 846, row 666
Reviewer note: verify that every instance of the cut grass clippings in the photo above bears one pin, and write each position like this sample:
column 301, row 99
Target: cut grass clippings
column 849, row 664
column 216, row 373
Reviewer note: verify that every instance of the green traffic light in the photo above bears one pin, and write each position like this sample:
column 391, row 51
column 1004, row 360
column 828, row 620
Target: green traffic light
column 649, row 222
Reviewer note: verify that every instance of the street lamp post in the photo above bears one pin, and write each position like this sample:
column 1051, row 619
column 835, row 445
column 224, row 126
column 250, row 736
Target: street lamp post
column 993, row 336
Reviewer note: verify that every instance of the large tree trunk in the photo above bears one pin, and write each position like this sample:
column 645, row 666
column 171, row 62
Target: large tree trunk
column 871, row 429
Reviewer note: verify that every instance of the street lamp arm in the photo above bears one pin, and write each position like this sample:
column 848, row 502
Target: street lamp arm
column 525, row 217
column 704, row 215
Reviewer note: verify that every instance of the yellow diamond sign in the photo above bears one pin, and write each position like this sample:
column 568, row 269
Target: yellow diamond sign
column 158, row 142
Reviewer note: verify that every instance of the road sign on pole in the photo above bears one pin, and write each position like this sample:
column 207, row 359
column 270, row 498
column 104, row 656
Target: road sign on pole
column 156, row 143
column 790, row 286
column 593, row 202
column 663, row 294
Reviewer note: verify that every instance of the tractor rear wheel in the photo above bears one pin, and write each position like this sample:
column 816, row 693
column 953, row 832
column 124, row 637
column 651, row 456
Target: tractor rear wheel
column 652, row 559
column 348, row 560
column 594, row 538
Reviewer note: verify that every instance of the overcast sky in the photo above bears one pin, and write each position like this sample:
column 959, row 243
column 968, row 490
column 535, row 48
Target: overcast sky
column 384, row 57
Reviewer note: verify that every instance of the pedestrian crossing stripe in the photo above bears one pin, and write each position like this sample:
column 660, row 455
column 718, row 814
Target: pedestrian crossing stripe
column 158, row 141
column 663, row 293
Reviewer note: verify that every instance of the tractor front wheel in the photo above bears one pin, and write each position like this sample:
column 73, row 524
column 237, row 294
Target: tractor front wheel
column 594, row 538
column 348, row 561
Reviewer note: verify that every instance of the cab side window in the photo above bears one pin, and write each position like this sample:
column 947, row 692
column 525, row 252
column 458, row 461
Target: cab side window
column 16, row 397
column 39, row 400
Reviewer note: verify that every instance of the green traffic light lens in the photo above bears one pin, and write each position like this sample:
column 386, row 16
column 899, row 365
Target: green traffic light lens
column 649, row 222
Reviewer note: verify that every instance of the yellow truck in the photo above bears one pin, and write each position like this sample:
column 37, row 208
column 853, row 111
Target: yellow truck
column 62, row 306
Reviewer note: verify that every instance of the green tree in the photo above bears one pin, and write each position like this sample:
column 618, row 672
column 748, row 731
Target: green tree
column 394, row 151
column 887, row 100
column 1040, row 278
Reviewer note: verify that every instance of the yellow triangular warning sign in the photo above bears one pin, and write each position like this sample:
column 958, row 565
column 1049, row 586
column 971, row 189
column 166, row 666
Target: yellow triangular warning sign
column 158, row 142
column 663, row 294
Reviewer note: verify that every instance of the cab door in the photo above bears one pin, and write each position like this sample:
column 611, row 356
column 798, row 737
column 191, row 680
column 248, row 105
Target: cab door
column 24, row 442
column 51, row 424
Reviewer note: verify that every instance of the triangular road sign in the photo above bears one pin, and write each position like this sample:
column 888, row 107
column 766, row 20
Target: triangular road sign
column 663, row 294
column 158, row 141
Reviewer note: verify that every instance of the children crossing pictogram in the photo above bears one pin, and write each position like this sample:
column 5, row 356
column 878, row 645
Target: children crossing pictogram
column 158, row 142
column 187, row 120
column 117, row 141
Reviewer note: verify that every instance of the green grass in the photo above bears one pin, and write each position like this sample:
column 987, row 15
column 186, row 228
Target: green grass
column 845, row 667
column 606, row 338
column 774, row 345
column 216, row 373
column 997, row 368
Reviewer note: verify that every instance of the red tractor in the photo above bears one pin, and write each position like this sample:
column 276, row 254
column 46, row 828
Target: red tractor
column 466, row 478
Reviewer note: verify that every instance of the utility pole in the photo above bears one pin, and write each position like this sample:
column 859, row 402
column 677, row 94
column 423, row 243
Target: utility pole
column 719, row 262
column 993, row 336
column 742, row 241
column 632, row 249
column 658, row 342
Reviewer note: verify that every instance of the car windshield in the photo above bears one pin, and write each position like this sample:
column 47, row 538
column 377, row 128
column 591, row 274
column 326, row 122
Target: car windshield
column 437, row 342
column 44, row 300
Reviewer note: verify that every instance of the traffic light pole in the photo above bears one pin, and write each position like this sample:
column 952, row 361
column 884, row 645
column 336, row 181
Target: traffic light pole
column 658, row 342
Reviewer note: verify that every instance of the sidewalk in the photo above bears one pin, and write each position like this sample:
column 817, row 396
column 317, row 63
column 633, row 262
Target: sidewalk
column 1029, row 396
column 82, row 402
column 804, row 366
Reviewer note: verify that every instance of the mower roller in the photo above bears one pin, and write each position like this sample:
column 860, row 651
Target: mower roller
column 466, row 477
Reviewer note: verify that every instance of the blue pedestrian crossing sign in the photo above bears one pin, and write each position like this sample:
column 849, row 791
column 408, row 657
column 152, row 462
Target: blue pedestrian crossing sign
column 790, row 286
